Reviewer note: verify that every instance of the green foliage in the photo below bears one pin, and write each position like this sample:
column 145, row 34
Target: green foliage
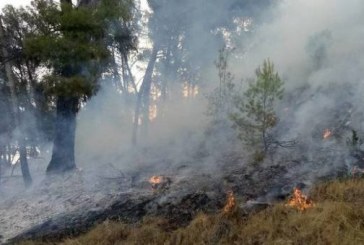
column 71, row 42
column 256, row 115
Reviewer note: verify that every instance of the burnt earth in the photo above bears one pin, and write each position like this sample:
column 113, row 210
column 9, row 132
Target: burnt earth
column 178, row 204
column 255, row 188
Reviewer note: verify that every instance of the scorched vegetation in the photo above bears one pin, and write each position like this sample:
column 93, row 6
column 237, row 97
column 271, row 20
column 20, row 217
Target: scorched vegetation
column 181, row 122
column 334, row 217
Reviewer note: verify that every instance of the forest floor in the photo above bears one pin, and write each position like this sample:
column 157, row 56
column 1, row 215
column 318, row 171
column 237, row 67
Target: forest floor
column 336, row 217
column 22, row 208
column 128, row 210
column 83, row 198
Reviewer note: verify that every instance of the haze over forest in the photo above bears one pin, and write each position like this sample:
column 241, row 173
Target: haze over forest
column 139, row 89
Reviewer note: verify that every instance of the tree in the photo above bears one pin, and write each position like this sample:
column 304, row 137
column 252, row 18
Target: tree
column 12, row 83
column 185, row 34
column 256, row 116
column 71, row 42
column 143, row 97
column 221, row 100
column 18, row 24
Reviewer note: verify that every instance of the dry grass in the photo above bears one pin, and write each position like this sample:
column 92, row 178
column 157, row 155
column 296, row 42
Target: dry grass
column 336, row 218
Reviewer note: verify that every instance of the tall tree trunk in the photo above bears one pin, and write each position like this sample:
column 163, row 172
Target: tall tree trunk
column 144, row 96
column 15, row 109
column 63, row 155
column 130, row 74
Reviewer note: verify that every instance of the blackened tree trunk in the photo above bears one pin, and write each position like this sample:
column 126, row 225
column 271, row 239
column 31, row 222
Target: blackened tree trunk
column 63, row 155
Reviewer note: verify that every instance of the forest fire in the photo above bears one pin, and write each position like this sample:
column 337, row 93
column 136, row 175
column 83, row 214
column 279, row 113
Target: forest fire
column 230, row 203
column 327, row 134
column 159, row 182
column 299, row 201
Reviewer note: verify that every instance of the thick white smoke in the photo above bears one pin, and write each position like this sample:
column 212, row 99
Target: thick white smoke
column 316, row 46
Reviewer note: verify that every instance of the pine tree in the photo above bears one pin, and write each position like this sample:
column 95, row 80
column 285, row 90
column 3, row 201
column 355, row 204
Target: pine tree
column 256, row 116
column 71, row 42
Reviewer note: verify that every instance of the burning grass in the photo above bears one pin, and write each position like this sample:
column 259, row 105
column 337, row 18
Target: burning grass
column 336, row 218
column 230, row 203
column 299, row 201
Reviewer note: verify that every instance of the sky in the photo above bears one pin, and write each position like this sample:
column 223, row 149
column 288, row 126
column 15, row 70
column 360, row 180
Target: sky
column 15, row 3
column 18, row 3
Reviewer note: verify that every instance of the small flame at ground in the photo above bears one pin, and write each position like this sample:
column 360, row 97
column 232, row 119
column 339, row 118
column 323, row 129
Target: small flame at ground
column 230, row 202
column 160, row 182
column 155, row 180
column 299, row 201
column 327, row 134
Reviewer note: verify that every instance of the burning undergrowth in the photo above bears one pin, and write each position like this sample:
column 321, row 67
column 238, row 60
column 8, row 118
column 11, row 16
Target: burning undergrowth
column 299, row 201
column 336, row 218
column 185, row 166
column 176, row 185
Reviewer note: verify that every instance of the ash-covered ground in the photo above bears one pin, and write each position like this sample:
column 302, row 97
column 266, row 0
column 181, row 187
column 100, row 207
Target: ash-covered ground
column 22, row 208
column 89, row 197
column 58, row 207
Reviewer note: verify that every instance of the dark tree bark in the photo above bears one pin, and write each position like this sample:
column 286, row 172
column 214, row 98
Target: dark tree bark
column 63, row 155
column 24, row 165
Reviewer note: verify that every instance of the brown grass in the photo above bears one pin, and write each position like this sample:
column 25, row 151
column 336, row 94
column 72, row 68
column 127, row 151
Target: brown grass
column 336, row 218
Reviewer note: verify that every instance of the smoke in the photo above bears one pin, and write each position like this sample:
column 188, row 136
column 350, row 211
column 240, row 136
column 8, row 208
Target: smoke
column 178, row 134
column 316, row 48
column 286, row 37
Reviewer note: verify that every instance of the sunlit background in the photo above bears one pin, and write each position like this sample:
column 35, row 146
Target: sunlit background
column 14, row 3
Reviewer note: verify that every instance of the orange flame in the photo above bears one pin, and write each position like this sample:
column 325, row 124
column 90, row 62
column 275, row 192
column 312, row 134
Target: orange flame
column 299, row 201
column 155, row 180
column 159, row 182
column 230, row 202
column 327, row 134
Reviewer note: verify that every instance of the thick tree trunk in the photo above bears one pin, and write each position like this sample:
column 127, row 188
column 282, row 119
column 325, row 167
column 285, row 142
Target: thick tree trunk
column 144, row 96
column 63, row 155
